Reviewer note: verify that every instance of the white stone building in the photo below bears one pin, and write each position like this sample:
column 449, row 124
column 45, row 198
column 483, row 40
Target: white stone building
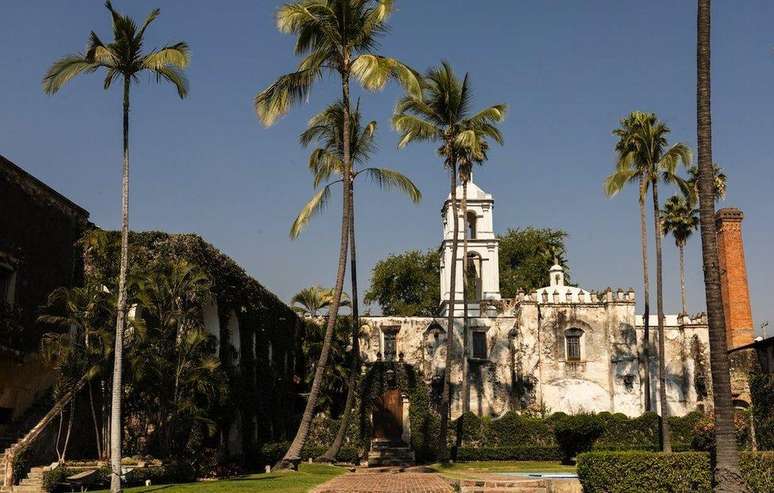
column 558, row 348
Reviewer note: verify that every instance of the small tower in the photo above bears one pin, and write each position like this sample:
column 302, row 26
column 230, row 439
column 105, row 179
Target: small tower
column 483, row 258
column 556, row 274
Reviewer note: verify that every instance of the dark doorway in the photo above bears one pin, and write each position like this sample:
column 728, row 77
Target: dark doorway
column 388, row 416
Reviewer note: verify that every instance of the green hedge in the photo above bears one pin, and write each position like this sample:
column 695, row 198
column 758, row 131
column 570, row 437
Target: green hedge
column 649, row 472
column 271, row 453
column 164, row 474
column 465, row 454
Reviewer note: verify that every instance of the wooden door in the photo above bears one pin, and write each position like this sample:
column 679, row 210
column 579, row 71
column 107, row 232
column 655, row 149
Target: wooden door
column 388, row 416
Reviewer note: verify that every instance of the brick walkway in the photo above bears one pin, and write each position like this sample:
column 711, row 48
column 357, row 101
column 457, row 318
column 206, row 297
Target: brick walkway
column 386, row 482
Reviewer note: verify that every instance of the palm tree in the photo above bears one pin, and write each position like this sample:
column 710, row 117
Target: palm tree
column 614, row 184
column 337, row 36
column 727, row 478
column 643, row 151
column 309, row 302
column 443, row 115
column 122, row 59
column 720, row 183
column 680, row 219
column 327, row 128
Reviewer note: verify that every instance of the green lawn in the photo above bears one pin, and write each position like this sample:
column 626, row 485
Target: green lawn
column 309, row 476
column 462, row 470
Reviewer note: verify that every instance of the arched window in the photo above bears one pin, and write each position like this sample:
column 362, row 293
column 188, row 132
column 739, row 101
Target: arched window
column 471, row 232
column 473, row 278
column 572, row 339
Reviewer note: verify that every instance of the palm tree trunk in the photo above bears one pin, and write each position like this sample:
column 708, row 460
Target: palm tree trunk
column 465, row 294
column 646, row 293
column 727, row 478
column 666, row 442
column 446, row 397
column 69, row 429
column 681, row 247
column 293, row 454
column 96, row 424
column 115, row 408
column 354, row 369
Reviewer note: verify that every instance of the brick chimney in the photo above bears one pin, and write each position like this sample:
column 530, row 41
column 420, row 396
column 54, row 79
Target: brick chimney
column 733, row 278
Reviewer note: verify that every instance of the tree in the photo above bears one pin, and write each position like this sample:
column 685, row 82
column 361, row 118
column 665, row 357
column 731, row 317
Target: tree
column 337, row 36
column 443, row 114
column 526, row 255
column 122, row 59
column 727, row 476
column 81, row 343
column 643, row 156
column 309, row 302
column 406, row 284
column 327, row 128
column 719, row 183
column 680, row 219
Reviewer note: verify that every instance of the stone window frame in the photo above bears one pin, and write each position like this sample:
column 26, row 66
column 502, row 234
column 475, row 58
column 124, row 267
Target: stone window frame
column 478, row 329
column 577, row 335
column 389, row 332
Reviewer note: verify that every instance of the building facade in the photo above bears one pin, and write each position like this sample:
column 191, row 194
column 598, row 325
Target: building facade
column 557, row 348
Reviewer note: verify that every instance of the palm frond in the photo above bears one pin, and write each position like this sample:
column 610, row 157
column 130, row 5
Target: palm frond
column 275, row 101
column 323, row 164
column 373, row 72
column 315, row 205
column 176, row 55
column 64, row 70
column 175, row 76
column 389, row 179
column 414, row 128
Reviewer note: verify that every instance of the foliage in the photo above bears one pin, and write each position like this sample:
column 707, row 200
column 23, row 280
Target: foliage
column 272, row 452
column 469, row 430
column 646, row 472
column 719, row 183
column 157, row 474
column 511, row 452
column 407, row 284
column 762, row 393
column 526, row 255
column 513, row 429
column 680, row 219
column 703, row 436
column 309, row 302
column 577, row 433
column 334, row 386
column 327, row 128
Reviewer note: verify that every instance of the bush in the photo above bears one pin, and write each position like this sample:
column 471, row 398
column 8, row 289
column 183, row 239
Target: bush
column 704, row 432
column 468, row 429
column 577, row 433
column 465, row 454
column 271, row 453
column 513, row 429
column 762, row 393
column 646, row 472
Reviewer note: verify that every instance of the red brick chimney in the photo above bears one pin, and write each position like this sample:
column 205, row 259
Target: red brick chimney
column 733, row 278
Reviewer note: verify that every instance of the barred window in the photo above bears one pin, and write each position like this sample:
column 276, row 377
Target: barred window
column 390, row 346
column 573, row 342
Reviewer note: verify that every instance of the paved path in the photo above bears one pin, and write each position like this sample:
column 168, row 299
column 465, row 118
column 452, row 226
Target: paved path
column 386, row 482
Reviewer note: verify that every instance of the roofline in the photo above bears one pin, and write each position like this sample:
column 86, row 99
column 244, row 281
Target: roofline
column 58, row 196
column 753, row 345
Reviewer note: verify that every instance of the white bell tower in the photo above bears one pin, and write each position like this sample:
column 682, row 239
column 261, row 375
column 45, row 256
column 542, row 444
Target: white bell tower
column 483, row 267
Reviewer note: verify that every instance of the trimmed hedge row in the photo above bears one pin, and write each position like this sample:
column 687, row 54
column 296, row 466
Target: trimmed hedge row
column 466, row 454
column 650, row 472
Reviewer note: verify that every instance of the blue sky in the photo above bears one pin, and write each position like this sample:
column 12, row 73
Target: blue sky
column 568, row 71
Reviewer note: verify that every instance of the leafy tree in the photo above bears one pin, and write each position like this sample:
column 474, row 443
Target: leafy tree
column 122, row 59
column 339, row 37
column 176, row 376
column 680, row 219
column 727, row 477
column 643, row 156
column 526, row 255
column 311, row 301
column 442, row 114
column 80, row 345
column 327, row 129
column 407, row 284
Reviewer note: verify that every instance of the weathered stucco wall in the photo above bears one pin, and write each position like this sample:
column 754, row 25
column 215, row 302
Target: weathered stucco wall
column 527, row 366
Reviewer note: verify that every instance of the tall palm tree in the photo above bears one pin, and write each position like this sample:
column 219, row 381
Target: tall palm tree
column 727, row 478
column 680, row 219
column 443, row 115
column 336, row 36
column 643, row 151
column 309, row 302
column 466, row 162
column 123, row 59
column 719, row 183
column 614, row 184
column 326, row 128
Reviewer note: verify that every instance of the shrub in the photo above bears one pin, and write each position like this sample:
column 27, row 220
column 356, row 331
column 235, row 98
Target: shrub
column 513, row 429
column 465, row 454
column 271, row 453
column 646, row 472
column 704, row 432
column 762, row 393
column 577, row 433
column 468, row 429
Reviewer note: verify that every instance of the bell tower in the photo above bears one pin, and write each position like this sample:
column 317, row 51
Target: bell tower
column 483, row 257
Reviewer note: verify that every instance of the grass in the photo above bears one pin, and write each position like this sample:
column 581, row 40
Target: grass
column 308, row 476
column 461, row 470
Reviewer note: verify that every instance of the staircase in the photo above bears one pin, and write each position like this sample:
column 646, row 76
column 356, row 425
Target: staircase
column 385, row 453
column 33, row 483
